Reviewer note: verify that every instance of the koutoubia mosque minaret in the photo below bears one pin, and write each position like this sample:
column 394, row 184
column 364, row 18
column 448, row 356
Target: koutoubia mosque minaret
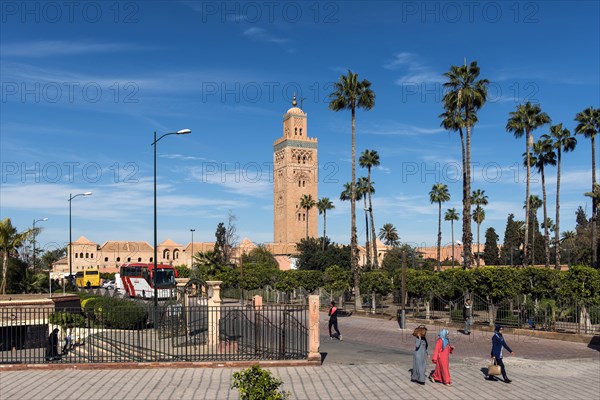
column 294, row 175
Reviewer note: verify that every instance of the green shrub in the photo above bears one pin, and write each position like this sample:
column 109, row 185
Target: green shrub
column 63, row 318
column 456, row 315
column 255, row 383
column 122, row 314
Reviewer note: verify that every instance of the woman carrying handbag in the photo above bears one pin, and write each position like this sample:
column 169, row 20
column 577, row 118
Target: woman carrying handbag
column 498, row 344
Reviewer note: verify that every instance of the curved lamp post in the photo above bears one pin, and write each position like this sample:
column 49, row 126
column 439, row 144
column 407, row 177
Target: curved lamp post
column 180, row 132
column 71, row 197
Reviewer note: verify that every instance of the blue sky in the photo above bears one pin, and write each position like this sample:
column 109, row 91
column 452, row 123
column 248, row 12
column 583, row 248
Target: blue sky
column 84, row 87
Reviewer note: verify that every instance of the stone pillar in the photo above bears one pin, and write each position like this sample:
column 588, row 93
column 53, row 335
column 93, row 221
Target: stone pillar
column 214, row 314
column 313, row 328
column 257, row 302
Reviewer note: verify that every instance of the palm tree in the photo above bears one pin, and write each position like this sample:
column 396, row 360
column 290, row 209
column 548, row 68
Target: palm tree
column 563, row 141
column 568, row 239
column 323, row 205
column 389, row 235
column 543, row 155
column 363, row 189
column 360, row 191
column 10, row 242
column 349, row 94
column 478, row 217
column 465, row 95
column 439, row 194
column 478, row 198
column 307, row 202
column 523, row 121
column 451, row 215
column 534, row 205
column 588, row 125
column 369, row 159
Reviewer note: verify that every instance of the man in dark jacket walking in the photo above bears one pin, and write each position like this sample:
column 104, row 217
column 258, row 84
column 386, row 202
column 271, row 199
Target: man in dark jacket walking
column 498, row 344
column 468, row 316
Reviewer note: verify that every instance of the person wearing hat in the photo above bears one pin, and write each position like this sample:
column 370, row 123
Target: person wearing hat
column 498, row 343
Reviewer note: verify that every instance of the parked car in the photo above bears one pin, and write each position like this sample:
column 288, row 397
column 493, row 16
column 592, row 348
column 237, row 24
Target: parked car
column 108, row 285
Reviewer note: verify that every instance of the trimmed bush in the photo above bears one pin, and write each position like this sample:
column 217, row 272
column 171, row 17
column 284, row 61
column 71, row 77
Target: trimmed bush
column 63, row 318
column 256, row 383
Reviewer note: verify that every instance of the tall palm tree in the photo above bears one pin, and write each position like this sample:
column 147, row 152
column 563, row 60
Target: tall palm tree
column 10, row 242
column 349, row 94
column 439, row 194
column 360, row 194
column 451, row 215
column 363, row 189
column 523, row 121
column 389, row 234
column 568, row 240
column 479, row 198
column 563, row 141
column 465, row 95
column 323, row 205
column 534, row 205
column 307, row 202
column 588, row 125
column 478, row 217
column 543, row 155
column 369, row 159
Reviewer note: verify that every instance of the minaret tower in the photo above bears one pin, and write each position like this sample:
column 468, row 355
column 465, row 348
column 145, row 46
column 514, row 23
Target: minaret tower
column 294, row 175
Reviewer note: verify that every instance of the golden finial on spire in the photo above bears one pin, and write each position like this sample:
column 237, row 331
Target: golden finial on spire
column 294, row 102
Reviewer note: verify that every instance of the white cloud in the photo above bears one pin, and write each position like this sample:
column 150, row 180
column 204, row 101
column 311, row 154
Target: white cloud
column 415, row 72
column 48, row 48
column 262, row 35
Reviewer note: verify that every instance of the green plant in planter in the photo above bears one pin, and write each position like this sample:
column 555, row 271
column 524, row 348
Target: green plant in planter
column 255, row 383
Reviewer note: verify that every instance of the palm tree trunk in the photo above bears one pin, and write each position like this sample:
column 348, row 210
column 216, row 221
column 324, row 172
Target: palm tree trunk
column 546, row 234
column 367, row 244
column 478, row 226
column 353, row 238
column 467, row 235
column 4, row 268
column 533, row 232
column 307, row 223
column 557, row 232
column 594, row 210
column 373, row 237
column 452, row 229
column 324, row 227
column 526, row 244
column 439, row 241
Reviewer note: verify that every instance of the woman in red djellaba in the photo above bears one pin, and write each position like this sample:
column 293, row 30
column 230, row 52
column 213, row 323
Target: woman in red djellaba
column 441, row 359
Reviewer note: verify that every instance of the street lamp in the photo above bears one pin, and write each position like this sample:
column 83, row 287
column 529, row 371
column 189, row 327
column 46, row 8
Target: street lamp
column 192, row 258
column 34, row 234
column 180, row 132
column 71, row 197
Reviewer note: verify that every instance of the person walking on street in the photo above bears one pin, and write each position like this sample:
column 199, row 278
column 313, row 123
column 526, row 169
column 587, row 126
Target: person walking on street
column 420, row 355
column 468, row 316
column 333, row 314
column 498, row 343
column 52, row 346
column 68, row 339
column 441, row 359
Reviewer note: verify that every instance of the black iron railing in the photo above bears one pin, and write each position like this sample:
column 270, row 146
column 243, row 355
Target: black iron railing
column 168, row 333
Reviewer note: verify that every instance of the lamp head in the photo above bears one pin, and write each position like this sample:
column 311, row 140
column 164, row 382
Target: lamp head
column 87, row 193
column 44, row 219
column 184, row 131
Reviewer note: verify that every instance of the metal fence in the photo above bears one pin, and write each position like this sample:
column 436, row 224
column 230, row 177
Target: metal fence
column 168, row 333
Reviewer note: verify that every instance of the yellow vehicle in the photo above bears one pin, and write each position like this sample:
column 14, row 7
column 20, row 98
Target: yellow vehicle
column 88, row 278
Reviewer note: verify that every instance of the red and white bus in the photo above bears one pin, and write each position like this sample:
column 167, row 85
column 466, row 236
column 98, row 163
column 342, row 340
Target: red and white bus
column 138, row 280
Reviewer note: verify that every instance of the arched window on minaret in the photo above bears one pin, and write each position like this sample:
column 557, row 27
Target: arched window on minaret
column 300, row 131
column 295, row 131
column 298, row 217
column 304, row 160
column 303, row 217
column 298, row 159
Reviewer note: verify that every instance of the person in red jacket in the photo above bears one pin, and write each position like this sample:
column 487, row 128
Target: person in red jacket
column 333, row 314
column 441, row 359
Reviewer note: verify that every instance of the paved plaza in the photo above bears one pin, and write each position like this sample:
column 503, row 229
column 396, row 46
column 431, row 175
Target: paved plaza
column 372, row 362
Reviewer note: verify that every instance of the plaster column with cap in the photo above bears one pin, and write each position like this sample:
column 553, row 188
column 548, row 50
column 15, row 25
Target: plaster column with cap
column 214, row 313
